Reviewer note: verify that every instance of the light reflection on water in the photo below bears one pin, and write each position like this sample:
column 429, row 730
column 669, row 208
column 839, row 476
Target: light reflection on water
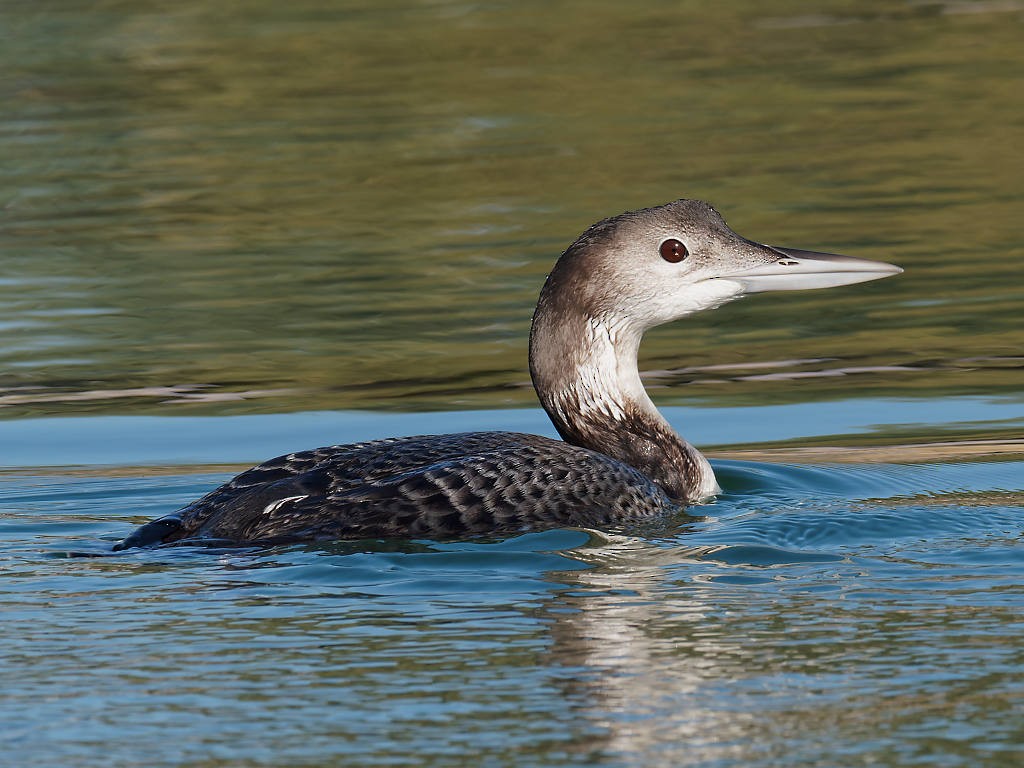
column 229, row 230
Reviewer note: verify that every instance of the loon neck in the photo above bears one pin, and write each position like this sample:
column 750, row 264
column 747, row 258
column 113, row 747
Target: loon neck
column 584, row 368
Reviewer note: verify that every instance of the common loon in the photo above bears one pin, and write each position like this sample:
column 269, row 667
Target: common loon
column 620, row 463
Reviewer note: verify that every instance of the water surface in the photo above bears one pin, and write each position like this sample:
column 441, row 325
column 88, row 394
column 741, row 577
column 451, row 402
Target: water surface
column 232, row 230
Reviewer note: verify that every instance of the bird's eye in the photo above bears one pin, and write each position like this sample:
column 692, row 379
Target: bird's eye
column 673, row 251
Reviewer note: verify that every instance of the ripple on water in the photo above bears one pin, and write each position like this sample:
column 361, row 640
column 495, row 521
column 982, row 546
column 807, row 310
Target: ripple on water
column 831, row 585
column 849, row 507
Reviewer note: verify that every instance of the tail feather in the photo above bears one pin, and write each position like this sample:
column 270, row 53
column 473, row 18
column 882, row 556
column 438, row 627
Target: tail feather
column 153, row 532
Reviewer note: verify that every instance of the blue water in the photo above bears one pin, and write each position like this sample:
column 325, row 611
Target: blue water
column 58, row 441
column 814, row 614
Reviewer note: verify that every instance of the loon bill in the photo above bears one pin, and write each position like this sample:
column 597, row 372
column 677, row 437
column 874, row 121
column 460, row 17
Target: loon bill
column 619, row 463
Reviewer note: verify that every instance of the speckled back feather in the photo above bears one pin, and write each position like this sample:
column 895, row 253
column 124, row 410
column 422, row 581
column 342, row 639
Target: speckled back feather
column 432, row 486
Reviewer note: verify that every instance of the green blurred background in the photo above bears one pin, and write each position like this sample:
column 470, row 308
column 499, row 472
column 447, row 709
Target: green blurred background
column 242, row 207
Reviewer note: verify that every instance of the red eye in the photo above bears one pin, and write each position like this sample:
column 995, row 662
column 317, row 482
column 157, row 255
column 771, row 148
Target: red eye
column 673, row 251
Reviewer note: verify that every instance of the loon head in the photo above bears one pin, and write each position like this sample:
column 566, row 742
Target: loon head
column 648, row 267
column 630, row 273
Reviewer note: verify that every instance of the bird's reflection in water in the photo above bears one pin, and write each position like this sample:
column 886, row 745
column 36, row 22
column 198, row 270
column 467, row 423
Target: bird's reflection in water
column 642, row 666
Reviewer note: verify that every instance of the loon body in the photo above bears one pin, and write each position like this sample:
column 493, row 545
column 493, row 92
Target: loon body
column 619, row 462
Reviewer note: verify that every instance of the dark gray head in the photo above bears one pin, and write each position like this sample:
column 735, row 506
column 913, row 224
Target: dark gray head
column 647, row 267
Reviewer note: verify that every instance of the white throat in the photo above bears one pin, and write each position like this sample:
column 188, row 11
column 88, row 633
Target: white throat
column 604, row 387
